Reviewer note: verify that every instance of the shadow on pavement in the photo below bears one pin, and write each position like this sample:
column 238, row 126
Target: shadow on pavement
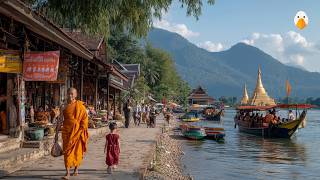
column 58, row 174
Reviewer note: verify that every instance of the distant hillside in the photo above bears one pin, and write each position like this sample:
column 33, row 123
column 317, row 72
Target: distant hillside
column 224, row 73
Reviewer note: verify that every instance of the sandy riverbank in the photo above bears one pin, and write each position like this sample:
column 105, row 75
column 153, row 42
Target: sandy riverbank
column 167, row 159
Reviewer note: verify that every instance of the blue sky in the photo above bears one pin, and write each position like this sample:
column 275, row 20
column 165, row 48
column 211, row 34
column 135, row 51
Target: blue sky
column 266, row 24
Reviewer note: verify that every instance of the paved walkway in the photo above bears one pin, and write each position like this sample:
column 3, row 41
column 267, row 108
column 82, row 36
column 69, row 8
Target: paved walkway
column 136, row 145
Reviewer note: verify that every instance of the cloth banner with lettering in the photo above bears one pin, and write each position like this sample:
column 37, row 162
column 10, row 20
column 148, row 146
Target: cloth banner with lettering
column 41, row 66
column 10, row 61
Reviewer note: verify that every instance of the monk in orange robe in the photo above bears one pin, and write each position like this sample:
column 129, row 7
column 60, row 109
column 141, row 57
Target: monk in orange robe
column 74, row 133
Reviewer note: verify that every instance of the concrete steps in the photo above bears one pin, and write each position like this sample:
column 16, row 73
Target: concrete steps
column 14, row 154
column 13, row 160
column 9, row 144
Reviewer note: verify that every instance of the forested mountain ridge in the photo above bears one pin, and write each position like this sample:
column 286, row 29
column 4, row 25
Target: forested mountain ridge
column 224, row 73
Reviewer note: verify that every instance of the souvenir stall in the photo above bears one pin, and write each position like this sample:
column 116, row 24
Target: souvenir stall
column 39, row 70
column 11, row 92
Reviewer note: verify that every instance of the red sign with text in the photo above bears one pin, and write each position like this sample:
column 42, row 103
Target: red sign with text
column 41, row 66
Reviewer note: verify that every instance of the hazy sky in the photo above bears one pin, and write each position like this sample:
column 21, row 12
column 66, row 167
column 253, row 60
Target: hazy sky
column 266, row 24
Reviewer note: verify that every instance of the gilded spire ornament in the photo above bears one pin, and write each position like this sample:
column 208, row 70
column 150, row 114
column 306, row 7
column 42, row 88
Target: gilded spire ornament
column 245, row 97
column 260, row 96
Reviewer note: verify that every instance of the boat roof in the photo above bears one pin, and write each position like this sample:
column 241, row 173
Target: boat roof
column 297, row 106
column 283, row 106
column 256, row 108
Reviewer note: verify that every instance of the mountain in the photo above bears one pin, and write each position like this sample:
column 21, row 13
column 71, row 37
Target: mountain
column 224, row 73
column 296, row 66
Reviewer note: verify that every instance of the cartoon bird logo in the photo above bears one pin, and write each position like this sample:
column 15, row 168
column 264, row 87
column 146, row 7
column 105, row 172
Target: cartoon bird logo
column 301, row 20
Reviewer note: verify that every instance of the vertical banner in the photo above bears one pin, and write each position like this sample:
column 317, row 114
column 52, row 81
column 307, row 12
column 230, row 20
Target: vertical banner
column 41, row 66
column 10, row 61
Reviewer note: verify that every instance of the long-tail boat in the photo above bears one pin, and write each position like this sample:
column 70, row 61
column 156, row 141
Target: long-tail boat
column 190, row 117
column 211, row 114
column 215, row 133
column 281, row 130
column 193, row 132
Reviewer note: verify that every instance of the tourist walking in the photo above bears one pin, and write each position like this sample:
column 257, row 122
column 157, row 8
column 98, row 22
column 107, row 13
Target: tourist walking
column 137, row 118
column 74, row 133
column 112, row 148
column 152, row 117
column 147, row 114
column 127, row 110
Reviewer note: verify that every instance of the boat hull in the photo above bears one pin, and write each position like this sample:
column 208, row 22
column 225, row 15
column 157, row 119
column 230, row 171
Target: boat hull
column 214, row 133
column 215, row 136
column 216, row 117
column 190, row 119
column 270, row 132
column 193, row 132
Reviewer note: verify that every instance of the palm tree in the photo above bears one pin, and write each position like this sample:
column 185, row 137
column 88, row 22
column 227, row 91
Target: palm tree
column 151, row 76
column 151, row 72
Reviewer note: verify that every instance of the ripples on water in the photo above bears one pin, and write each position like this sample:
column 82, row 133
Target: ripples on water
column 244, row 156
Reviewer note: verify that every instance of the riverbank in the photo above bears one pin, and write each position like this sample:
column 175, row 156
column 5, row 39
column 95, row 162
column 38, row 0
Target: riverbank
column 166, row 163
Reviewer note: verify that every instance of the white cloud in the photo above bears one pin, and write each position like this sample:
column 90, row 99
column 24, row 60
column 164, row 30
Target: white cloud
column 290, row 47
column 184, row 31
column 210, row 46
column 297, row 59
column 298, row 39
column 181, row 29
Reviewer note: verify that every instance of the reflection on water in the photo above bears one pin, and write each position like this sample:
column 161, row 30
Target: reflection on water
column 244, row 156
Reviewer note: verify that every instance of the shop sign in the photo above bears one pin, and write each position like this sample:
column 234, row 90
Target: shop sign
column 10, row 61
column 41, row 66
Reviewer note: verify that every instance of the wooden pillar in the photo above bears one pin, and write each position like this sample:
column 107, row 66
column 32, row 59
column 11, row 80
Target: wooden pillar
column 114, row 103
column 108, row 94
column 120, row 104
column 81, row 82
column 96, row 93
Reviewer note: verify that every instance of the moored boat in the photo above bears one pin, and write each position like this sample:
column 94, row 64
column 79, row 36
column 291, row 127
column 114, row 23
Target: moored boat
column 190, row 117
column 193, row 132
column 214, row 133
column 214, row 112
column 215, row 116
column 257, row 126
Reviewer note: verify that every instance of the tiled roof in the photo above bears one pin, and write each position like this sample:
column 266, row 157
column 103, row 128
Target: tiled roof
column 90, row 42
column 132, row 67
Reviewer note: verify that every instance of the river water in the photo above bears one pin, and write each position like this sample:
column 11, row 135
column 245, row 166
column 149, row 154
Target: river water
column 245, row 157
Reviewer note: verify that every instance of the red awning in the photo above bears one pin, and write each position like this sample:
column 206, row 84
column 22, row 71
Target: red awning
column 285, row 106
column 255, row 108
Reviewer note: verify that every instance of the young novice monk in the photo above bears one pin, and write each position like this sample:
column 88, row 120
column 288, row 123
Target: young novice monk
column 113, row 148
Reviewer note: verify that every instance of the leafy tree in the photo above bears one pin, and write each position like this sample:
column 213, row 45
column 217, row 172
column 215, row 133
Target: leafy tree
column 158, row 73
column 101, row 16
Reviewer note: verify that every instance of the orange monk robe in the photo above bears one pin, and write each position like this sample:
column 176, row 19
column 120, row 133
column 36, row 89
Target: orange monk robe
column 74, row 133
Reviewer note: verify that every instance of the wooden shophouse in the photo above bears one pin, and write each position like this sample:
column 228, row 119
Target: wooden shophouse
column 81, row 64
column 109, row 81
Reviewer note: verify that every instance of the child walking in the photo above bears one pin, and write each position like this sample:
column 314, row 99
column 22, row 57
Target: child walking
column 113, row 148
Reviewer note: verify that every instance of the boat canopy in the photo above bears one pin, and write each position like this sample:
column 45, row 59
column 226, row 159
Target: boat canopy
column 296, row 106
column 284, row 106
column 256, row 108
